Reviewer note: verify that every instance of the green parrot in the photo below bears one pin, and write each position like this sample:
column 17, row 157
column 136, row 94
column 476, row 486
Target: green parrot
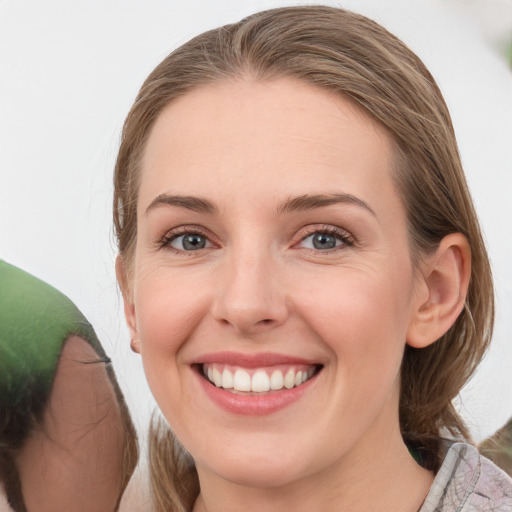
column 62, row 413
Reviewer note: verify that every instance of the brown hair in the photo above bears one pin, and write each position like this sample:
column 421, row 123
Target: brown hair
column 351, row 55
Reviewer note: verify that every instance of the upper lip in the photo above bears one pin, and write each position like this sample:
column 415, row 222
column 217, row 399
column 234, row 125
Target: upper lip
column 252, row 360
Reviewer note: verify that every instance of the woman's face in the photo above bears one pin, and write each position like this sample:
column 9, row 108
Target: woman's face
column 272, row 256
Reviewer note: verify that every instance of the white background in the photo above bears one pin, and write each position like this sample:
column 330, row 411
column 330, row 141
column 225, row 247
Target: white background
column 69, row 71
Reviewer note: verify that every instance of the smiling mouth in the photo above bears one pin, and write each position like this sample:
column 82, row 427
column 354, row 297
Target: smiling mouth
column 236, row 379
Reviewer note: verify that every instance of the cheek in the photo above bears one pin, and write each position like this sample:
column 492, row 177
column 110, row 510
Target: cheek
column 168, row 307
column 168, row 311
column 363, row 319
column 358, row 305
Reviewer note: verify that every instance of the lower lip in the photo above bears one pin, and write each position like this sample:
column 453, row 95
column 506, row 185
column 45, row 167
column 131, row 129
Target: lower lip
column 254, row 405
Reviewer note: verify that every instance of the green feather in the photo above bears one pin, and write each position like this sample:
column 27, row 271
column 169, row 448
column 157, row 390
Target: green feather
column 35, row 321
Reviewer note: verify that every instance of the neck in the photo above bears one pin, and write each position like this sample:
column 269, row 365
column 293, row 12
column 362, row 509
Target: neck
column 381, row 476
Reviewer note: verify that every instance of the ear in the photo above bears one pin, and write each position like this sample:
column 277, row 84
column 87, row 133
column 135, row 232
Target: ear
column 444, row 283
column 129, row 307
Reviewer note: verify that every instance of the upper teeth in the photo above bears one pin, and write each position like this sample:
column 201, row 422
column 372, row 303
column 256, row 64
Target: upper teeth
column 258, row 380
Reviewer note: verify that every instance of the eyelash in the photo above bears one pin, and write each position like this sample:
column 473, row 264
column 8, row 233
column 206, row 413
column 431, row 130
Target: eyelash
column 340, row 234
column 169, row 237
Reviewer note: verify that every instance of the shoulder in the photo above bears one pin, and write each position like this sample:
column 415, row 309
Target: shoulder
column 468, row 482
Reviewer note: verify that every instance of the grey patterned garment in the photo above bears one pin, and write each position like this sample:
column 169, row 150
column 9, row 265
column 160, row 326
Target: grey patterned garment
column 468, row 482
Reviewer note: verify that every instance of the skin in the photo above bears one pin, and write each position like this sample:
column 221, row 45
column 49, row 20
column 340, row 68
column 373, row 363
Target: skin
column 259, row 285
column 73, row 460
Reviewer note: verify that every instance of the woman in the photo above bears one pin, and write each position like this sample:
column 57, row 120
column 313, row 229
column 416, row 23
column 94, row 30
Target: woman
column 303, row 272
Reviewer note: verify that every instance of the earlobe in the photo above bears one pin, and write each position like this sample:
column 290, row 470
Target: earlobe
column 135, row 345
column 445, row 280
column 129, row 308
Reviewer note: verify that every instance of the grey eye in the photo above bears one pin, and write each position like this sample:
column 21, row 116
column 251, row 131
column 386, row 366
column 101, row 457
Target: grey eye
column 191, row 242
column 323, row 241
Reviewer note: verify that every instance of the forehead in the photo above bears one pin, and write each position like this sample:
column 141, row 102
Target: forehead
column 265, row 137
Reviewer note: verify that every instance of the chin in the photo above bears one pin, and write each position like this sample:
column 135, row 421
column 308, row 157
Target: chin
column 260, row 474
column 260, row 463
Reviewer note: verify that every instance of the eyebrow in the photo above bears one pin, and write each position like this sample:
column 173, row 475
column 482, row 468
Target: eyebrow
column 310, row 202
column 195, row 204
column 293, row 204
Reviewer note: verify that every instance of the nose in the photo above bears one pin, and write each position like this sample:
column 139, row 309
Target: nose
column 249, row 298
